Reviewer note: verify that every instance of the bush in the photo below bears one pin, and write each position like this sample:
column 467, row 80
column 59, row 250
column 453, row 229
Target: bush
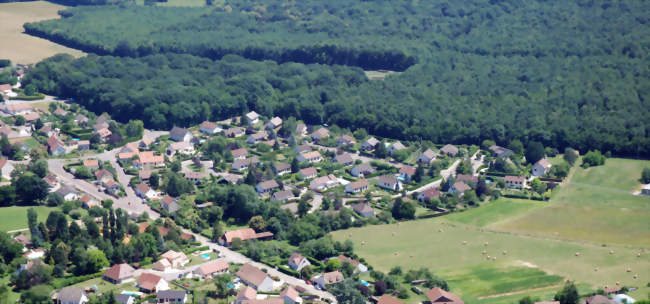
column 71, row 280
column 593, row 158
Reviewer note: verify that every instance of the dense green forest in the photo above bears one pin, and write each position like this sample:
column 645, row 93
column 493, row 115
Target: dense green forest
column 566, row 73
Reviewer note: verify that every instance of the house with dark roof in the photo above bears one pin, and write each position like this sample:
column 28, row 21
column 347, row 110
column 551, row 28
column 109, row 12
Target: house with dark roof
column 426, row 157
column 273, row 123
column 302, row 149
column 499, row 151
column 180, row 134
column 515, row 182
column 363, row 209
column 267, row 186
column 255, row 278
column 449, row 150
column 344, row 159
column 170, row 204
column 369, row 144
column 362, row 170
column 243, row 164
column 468, row 179
column 428, row 194
column 320, row 134
column 345, row 140
column 71, row 295
column 282, row 196
column 124, row 299
column 398, row 146
column 171, row 296
column 256, row 138
column 240, row 153
column 282, row 168
column 81, row 120
column 235, row 132
column 328, row 278
column 459, row 187
column 119, row 273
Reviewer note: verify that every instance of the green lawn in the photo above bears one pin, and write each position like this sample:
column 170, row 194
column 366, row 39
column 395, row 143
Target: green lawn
column 13, row 296
column 104, row 286
column 596, row 206
column 496, row 211
column 438, row 245
column 13, row 218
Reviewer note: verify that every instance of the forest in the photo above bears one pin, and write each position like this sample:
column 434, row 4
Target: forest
column 563, row 73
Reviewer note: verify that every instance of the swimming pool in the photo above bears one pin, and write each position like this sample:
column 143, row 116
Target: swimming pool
column 205, row 256
column 132, row 293
column 365, row 283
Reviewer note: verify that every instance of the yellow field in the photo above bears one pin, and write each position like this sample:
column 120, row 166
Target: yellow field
column 23, row 48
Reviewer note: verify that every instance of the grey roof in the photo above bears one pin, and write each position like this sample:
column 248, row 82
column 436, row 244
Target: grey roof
column 123, row 298
column 177, row 132
column 70, row 294
column 170, row 294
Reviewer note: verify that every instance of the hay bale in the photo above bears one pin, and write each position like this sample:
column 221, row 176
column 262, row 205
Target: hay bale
column 440, row 230
column 636, row 276
column 505, row 252
column 484, row 252
column 494, row 258
column 628, row 270
column 611, row 252
column 464, row 242
column 396, row 253
column 486, row 243
column 596, row 269
column 577, row 253
column 638, row 255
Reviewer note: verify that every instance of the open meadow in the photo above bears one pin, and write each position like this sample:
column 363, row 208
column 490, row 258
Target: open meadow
column 13, row 218
column 604, row 223
column 23, row 48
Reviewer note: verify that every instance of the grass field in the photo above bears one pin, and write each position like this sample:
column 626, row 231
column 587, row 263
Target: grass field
column 13, row 218
column 596, row 206
column 496, row 211
column 592, row 214
column 23, row 48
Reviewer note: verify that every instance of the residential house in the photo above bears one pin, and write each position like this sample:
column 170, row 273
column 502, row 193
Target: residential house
column 103, row 176
column 81, row 120
column 297, row 261
column 320, row 134
column 369, row 144
column 267, row 186
column 357, row 186
column 645, row 190
column 71, row 295
column 499, row 151
column 302, row 149
column 176, row 259
column 426, row 157
column 91, row 164
column 211, row 269
column 171, row 296
column 4, row 169
column 235, row 132
column 282, row 196
column 243, row 164
column 83, row 145
column 406, row 173
column 449, row 150
column 344, row 159
column 55, row 146
column 459, row 187
column 104, row 134
column 541, row 167
column 363, row 209
column 290, row 296
column 209, row 128
column 388, row 299
column 34, row 254
column 88, row 202
column 328, row 278
column 60, row 112
column 357, row 265
column 428, row 194
column 124, row 299
column 170, row 204
column 389, row 182
column 396, row 147
column 244, row 235
column 275, row 122
column 145, row 142
column 323, row 183
column 31, row 117
column 240, row 153
column 256, row 138
column 163, row 265
column 515, row 182
column 439, row 295
column 246, row 294
column 255, row 278
column 195, row 177
column 282, row 168
column 362, row 170
column 151, row 283
column 112, row 186
column 308, row 173
column 182, row 147
column 147, row 159
column 312, row 157
column 131, row 147
column 252, row 117
column 144, row 191
column 180, row 134
column 17, row 108
column 23, row 240
column 68, row 193
column 144, row 175
column 345, row 140
column 301, row 129
column 119, row 273
column 50, row 179
column 468, row 179
column 598, row 299
column 292, row 207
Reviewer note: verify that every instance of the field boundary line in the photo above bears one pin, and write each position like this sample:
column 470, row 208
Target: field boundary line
column 505, row 294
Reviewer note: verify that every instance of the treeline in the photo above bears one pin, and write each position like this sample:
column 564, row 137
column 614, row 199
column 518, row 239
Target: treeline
column 499, row 70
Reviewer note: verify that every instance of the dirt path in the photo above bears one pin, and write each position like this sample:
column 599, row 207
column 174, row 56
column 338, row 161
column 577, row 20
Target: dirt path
column 557, row 286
